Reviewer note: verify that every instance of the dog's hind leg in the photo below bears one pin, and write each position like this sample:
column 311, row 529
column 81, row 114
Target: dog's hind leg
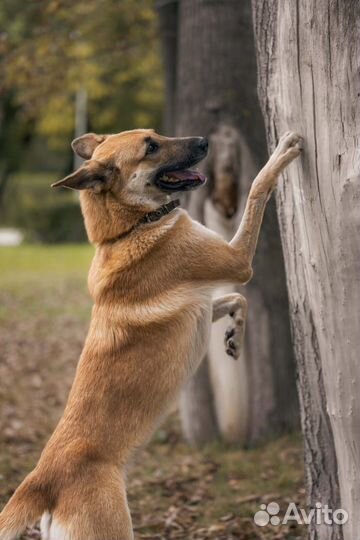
column 94, row 508
column 45, row 526
column 235, row 305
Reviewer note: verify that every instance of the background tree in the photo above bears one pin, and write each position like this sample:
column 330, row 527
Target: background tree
column 168, row 20
column 216, row 95
column 309, row 65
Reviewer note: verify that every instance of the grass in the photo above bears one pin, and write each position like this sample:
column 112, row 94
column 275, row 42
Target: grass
column 28, row 262
column 175, row 492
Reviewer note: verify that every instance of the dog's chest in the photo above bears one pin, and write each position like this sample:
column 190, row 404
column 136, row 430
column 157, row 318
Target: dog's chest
column 184, row 315
column 202, row 336
column 166, row 334
column 196, row 330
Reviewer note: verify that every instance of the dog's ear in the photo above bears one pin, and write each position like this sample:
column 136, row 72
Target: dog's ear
column 85, row 145
column 92, row 175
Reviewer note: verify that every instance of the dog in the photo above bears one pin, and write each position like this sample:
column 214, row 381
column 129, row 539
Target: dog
column 151, row 280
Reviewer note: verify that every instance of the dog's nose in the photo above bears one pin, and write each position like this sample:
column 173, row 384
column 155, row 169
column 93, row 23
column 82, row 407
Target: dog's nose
column 204, row 144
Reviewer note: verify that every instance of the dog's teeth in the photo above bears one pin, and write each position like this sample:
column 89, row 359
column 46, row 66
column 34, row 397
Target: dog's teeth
column 167, row 178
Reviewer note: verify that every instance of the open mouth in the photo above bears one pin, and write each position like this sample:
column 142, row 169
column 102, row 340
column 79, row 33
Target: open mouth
column 183, row 180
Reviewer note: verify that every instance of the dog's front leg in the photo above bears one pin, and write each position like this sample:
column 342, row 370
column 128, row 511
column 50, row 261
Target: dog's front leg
column 235, row 305
column 214, row 260
column 289, row 147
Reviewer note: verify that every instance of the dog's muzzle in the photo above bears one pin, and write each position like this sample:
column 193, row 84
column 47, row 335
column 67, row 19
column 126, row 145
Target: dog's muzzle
column 178, row 177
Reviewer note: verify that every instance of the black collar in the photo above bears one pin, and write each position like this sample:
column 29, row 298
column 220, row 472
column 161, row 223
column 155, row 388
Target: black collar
column 155, row 215
column 150, row 217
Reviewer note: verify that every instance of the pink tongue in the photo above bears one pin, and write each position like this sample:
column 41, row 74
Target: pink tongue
column 187, row 174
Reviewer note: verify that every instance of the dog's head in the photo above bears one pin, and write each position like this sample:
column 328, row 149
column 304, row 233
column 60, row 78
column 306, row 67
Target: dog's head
column 138, row 167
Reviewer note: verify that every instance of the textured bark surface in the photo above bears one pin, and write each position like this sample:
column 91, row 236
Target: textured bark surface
column 216, row 85
column 309, row 81
column 168, row 17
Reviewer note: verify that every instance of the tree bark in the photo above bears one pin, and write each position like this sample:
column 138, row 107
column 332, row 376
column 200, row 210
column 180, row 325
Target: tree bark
column 216, row 91
column 168, row 19
column 309, row 66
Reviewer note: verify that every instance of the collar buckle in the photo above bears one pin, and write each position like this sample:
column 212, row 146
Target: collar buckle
column 154, row 216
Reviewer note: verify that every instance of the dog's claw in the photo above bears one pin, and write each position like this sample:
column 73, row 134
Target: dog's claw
column 290, row 146
column 233, row 340
column 229, row 333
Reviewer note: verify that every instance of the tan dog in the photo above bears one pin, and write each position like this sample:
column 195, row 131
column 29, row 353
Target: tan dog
column 151, row 280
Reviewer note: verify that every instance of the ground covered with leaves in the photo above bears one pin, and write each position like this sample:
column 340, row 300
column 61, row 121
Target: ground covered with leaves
column 175, row 492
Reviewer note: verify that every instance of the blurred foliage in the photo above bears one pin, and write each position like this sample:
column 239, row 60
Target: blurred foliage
column 43, row 214
column 49, row 49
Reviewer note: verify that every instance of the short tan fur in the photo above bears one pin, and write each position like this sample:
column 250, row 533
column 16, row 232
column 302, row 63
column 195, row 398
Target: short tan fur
column 152, row 285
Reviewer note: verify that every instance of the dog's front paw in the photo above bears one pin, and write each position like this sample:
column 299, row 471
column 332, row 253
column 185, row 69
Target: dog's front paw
column 289, row 147
column 288, row 141
column 234, row 336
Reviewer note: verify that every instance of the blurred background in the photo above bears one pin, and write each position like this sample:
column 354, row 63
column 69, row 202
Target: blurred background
column 183, row 68
column 68, row 68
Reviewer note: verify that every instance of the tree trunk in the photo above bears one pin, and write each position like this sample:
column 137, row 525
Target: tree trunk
column 309, row 66
column 168, row 18
column 15, row 136
column 216, row 96
column 81, row 120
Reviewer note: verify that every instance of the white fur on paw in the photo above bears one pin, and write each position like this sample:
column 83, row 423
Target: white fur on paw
column 289, row 140
column 58, row 532
column 45, row 525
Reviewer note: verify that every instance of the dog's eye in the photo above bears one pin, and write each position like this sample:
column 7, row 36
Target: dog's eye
column 152, row 147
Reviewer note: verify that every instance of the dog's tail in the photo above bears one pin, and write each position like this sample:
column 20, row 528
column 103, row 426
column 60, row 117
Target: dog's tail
column 25, row 507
